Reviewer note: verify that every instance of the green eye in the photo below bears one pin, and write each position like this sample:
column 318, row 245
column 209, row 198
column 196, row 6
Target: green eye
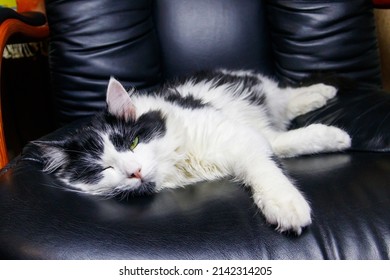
column 134, row 143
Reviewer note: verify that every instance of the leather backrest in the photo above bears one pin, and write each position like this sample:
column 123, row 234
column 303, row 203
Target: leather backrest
column 93, row 40
column 142, row 42
column 203, row 34
column 317, row 36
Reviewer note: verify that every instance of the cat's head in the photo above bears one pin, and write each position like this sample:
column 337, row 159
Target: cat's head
column 114, row 153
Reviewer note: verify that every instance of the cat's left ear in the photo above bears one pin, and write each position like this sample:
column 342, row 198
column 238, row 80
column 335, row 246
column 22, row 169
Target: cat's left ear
column 119, row 102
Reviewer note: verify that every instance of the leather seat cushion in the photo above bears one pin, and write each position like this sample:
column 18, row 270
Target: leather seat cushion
column 348, row 192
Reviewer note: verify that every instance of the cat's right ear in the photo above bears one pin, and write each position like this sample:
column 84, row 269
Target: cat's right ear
column 119, row 102
column 53, row 154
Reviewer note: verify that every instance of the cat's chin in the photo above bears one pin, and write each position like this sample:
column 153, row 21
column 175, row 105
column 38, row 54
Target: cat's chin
column 145, row 188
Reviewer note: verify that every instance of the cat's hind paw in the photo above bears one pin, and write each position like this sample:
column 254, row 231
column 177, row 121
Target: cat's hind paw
column 327, row 138
column 327, row 91
column 307, row 99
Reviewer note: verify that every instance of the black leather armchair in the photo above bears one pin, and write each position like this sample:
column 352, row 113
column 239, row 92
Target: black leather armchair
column 144, row 42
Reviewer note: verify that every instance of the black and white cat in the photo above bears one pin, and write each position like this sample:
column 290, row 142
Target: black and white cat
column 211, row 125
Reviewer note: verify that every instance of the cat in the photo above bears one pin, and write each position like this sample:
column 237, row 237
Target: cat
column 208, row 126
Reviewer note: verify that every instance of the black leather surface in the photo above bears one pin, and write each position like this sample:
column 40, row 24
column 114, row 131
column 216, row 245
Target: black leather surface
column 203, row 34
column 349, row 194
column 93, row 40
column 324, row 36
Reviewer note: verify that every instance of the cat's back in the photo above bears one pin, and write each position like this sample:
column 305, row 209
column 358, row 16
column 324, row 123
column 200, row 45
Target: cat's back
column 235, row 96
column 213, row 87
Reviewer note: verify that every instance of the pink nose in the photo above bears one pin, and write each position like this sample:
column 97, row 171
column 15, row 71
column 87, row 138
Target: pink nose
column 136, row 175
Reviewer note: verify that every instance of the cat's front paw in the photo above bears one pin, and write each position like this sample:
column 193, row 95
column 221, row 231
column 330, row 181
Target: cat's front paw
column 288, row 213
column 328, row 138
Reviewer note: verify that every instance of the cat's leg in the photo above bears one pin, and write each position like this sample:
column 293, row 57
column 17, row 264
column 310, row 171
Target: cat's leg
column 315, row 138
column 287, row 102
column 276, row 196
column 251, row 161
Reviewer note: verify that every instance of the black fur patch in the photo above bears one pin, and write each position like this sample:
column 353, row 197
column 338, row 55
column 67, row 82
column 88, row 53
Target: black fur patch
column 121, row 133
column 188, row 102
column 150, row 126
column 146, row 188
column 256, row 99
column 249, row 82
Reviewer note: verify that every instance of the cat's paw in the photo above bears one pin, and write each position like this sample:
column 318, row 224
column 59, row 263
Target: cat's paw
column 288, row 212
column 312, row 139
column 305, row 100
column 329, row 138
column 328, row 92
column 340, row 138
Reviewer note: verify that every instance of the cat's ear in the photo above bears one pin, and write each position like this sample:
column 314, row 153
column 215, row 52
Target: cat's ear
column 53, row 153
column 119, row 102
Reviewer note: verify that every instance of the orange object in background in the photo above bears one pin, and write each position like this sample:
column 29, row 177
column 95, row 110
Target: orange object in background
column 8, row 28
